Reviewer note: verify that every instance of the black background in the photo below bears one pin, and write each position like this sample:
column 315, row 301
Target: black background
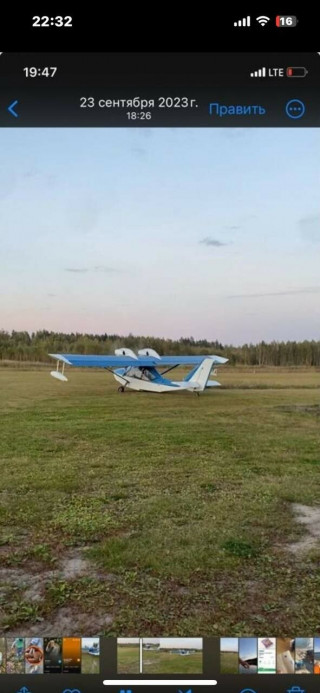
column 158, row 27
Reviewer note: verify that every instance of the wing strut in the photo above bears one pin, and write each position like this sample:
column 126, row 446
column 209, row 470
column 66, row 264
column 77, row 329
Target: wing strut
column 170, row 369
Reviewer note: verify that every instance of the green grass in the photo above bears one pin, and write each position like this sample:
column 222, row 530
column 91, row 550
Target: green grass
column 168, row 663
column 89, row 664
column 128, row 659
column 229, row 663
column 3, row 656
column 183, row 502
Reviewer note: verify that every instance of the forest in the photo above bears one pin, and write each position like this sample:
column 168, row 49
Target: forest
column 35, row 346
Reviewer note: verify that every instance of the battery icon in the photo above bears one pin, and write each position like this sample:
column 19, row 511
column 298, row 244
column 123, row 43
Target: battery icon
column 285, row 21
column 296, row 71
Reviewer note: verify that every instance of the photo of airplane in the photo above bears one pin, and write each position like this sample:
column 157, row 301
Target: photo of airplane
column 140, row 372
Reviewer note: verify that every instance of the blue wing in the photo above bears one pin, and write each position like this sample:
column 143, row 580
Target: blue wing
column 189, row 360
column 111, row 361
column 107, row 361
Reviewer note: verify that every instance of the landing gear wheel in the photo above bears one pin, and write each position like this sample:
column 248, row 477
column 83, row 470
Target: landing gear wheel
column 121, row 388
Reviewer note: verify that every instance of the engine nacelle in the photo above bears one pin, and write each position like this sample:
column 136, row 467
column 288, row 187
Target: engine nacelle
column 149, row 352
column 123, row 351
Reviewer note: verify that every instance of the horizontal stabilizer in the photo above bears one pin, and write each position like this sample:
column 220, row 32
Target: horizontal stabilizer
column 213, row 383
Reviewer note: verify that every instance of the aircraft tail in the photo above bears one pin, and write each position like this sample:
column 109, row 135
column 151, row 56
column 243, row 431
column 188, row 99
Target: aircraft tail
column 200, row 375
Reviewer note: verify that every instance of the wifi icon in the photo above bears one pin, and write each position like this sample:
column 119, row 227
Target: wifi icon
column 263, row 20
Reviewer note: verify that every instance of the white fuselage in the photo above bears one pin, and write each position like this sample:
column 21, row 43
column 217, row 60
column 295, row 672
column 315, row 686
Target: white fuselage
column 150, row 380
column 140, row 383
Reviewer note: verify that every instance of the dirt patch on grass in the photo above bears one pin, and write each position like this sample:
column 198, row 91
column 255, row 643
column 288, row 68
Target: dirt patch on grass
column 301, row 408
column 74, row 566
column 33, row 583
column 310, row 518
column 66, row 620
column 70, row 567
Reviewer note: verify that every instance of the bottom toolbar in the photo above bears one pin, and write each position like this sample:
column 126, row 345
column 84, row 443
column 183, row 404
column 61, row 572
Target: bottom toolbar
column 180, row 686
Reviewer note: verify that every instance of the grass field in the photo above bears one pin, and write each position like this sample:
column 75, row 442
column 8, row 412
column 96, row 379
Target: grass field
column 161, row 515
column 229, row 663
column 128, row 659
column 168, row 663
column 2, row 656
column 89, row 664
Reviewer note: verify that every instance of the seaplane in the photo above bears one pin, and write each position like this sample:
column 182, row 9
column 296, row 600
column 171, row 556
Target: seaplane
column 146, row 370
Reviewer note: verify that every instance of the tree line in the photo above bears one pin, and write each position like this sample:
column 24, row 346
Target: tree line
column 23, row 346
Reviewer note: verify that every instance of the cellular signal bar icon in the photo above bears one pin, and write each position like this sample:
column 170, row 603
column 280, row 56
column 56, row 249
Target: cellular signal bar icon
column 246, row 21
column 259, row 73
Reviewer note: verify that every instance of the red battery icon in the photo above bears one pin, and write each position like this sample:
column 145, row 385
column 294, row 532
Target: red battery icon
column 286, row 21
column 296, row 71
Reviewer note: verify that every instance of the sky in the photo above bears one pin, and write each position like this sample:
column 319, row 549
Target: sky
column 304, row 643
column 88, row 642
column 210, row 233
column 247, row 648
column 128, row 641
column 229, row 645
column 184, row 643
column 176, row 643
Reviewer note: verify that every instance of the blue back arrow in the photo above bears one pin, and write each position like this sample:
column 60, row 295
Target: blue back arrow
column 12, row 107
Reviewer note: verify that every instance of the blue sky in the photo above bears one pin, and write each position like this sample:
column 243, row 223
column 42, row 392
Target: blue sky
column 170, row 232
column 229, row 645
column 247, row 648
column 89, row 642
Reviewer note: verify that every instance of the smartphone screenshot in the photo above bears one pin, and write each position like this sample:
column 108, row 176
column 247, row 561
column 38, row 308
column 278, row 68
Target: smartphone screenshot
column 160, row 355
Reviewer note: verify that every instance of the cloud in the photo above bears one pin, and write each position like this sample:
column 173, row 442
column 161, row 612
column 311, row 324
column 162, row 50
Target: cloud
column 310, row 228
column 78, row 270
column 30, row 173
column 139, row 152
column 212, row 242
column 104, row 268
column 288, row 292
column 96, row 268
column 232, row 228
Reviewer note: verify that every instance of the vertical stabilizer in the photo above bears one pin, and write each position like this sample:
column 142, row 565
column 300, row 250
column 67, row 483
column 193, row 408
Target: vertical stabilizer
column 201, row 374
